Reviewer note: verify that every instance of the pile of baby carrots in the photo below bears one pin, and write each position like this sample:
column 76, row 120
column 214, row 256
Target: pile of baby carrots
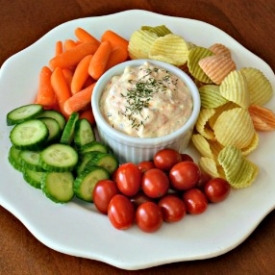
column 67, row 82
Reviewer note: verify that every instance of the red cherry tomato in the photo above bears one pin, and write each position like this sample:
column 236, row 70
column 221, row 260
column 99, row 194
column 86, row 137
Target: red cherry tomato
column 195, row 201
column 149, row 217
column 103, row 193
column 165, row 159
column 128, row 179
column 140, row 198
column 217, row 189
column 186, row 157
column 121, row 212
column 184, row 175
column 172, row 207
column 155, row 183
column 146, row 165
column 203, row 180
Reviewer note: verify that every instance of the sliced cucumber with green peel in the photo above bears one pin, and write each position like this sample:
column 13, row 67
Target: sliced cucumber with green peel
column 53, row 127
column 29, row 135
column 58, row 158
column 86, row 162
column 83, row 132
column 14, row 158
column 58, row 186
column 85, row 183
column 67, row 136
column 23, row 113
column 30, row 160
column 107, row 161
column 34, row 178
column 56, row 115
column 93, row 146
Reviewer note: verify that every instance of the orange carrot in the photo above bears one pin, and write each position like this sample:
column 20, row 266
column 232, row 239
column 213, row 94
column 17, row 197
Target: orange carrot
column 68, row 44
column 88, row 82
column 115, row 39
column 45, row 94
column 88, row 114
column 60, row 87
column 85, row 36
column 68, row 74
column 99, row 60
column 80, row 74
column 78, row 101
column 117, row 56
column 58, row 47
column 72, row 56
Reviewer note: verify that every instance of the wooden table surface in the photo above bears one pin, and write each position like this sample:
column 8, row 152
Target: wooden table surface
column 22, row 22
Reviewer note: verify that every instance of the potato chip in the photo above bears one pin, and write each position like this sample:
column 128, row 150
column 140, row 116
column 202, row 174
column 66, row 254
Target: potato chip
column 252, row 146
column 217, row 67
column 259, row 87
column 215, row 147
column 202, row 123
column 195, row 55
column 239, row 171
column 202, row 145
column 209, row 166
column 220, row 49
column 211, row 96
column 234, row 88
column 234, row 128
column 140, row 44
column 263, row 118
column 170, row 48
column 161, row 30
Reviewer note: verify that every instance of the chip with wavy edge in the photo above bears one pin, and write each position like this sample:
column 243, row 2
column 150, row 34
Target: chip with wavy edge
column 202, row 123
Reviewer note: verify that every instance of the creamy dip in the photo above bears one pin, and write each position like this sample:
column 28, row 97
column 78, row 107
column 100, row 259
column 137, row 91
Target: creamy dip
column 146, row 101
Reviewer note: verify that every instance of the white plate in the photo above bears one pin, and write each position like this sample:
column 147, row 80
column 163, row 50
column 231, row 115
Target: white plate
column 76, row 228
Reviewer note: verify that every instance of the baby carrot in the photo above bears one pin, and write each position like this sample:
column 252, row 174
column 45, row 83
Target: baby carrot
column 117, row 56
column 72, row 56
column 115, row 39
column 58, row 47
column 68, row 74
column 60, row 87
column 85, row 36
column 80, row 74
column 88, row 114
column 68, row 44
column 45, row 94
column 78, row 101
column 99, row 60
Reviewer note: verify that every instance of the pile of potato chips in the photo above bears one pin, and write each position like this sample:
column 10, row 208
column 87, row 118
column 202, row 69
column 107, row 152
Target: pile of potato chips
column 232, row 101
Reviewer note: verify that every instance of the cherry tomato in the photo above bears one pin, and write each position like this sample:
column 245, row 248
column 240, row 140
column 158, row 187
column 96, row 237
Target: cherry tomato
column 103, row 193
column 155, row 183
column 203, row 180
column 128, row 179
column 195, row 201
column 165, row 159
column 186, row 157
column 172, row 207
column 149, row 217
column 146, row 165
column 121, row 212
column 184, row 175
column 140, row 198
column 217, row 189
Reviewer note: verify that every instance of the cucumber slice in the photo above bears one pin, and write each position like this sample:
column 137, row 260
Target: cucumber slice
column 34, row 178
column 23, row 113
column 29, row 135
column 86, row 162
column 83, row 132
column 107, row 161
column 85, row 183
column 53, row 127
column 93, row 146
column 67, row 136
column 30, row 160
column 58, row 158
column 56, row 115
column 14, row 158
column 58, row 186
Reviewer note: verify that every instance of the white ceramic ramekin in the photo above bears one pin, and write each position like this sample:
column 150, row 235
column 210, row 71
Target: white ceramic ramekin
column 136, row 149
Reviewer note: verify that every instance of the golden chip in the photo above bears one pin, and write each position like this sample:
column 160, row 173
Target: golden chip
column 195, row 55
column 211, row 96
column 217, row 67
column 252, row 146
column 220, row 49
column 259, row 87
column 234, row 88
column 209, row 166
column 215, row 147
column 161, row 30
column 234, row 128
column 202, row 145
column 140, row 44
column 170, row 48
column 239, row 171
column 202, row 123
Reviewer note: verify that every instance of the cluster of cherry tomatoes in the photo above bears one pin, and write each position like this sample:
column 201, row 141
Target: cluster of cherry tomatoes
column 162, row 190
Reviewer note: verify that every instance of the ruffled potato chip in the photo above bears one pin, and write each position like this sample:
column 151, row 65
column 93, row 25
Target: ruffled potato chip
column 234, row 88
column 140, row 44
column 195, row 55
column 202, row 145
column 259, row 87
column 215, row 147
column 252, row 146
column 220, row 49
column 217, row 67
column 160, row 30
column 239, row 171
column 234, row 128
column 211, row 96
column 202, row 123
column 170, row 48
column 209, row 166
